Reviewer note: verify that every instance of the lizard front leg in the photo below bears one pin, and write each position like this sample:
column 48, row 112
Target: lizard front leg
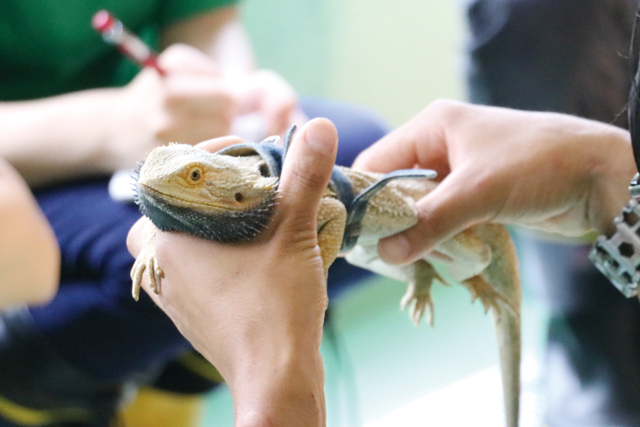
column 332, row 219
column 146, row 261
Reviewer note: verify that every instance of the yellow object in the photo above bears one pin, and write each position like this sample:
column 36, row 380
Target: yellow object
column 34, row 417
column 153, row 408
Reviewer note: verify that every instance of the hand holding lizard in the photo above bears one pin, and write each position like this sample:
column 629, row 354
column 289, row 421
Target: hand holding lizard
column 549, row 171
column 256, row 310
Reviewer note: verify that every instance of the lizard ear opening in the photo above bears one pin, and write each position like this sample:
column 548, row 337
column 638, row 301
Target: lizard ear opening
column 263, row 168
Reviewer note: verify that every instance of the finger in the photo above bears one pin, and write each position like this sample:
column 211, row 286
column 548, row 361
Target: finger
column 278, row 113
column 422, row 141
column 278, row 107
column 217, row 144
column 199, row 96
column 183, row 58
column 134, row 238
column 308, row 168
column 450, row 208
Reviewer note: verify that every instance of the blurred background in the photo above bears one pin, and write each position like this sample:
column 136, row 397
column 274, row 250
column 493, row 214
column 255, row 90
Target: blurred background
column 394, row 58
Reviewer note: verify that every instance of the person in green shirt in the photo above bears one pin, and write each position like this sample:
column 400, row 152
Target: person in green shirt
column 79, row 108
column 72, row 111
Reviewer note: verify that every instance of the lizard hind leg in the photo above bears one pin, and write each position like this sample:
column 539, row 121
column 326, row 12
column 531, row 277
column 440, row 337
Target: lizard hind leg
column 418, row 296
column 480, row 289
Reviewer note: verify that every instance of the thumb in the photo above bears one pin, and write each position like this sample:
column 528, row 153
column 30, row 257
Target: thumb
column 450, row 208
column 308, row 168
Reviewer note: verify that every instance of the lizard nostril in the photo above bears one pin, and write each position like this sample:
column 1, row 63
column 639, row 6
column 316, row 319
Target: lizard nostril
column 239, row 197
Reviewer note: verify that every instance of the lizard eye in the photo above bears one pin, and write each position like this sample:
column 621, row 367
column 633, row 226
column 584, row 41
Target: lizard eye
column 194, row 174
column 239, row 197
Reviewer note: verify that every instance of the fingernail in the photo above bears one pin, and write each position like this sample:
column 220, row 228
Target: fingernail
column 394, row 250
column 320, row 136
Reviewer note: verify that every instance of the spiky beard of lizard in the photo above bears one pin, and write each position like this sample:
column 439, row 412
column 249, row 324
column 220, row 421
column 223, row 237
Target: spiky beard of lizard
column 224, row 226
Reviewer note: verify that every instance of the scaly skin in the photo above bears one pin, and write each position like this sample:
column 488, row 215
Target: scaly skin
column 226, row 198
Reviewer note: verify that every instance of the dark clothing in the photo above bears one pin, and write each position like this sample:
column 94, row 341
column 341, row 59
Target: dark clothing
column 567, row 56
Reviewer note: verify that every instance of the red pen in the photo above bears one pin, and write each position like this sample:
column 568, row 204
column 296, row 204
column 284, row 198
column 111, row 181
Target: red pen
column 114, row 32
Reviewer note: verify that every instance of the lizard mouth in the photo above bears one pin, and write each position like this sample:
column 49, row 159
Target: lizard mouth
column 218, row 224
column 180, row 201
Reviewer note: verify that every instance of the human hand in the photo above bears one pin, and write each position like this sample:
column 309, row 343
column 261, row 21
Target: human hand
column 267, row 93
column 256, row 310
column 550, row 171
column 190, row 102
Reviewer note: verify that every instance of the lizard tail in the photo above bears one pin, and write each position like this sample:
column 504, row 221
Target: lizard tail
column 503, row 275
column 507, row 327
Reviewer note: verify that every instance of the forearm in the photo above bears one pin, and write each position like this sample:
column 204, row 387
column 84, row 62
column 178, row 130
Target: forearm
column 61, row 137
column 29, row 255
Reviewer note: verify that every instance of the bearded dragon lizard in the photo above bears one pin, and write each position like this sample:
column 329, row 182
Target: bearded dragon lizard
column 230, row 195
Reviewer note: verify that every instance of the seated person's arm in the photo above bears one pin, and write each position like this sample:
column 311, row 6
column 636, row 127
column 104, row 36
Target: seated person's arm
column 29, row 256
column 102, row 130
column 105, row 129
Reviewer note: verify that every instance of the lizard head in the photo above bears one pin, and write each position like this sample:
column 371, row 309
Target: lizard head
column 213, row 196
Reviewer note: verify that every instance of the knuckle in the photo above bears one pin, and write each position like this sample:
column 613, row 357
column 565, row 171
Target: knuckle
column 445, row 109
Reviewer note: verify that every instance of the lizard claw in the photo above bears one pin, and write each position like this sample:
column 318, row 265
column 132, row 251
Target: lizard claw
column 145, row 262
column 489, row 297
column 422, row 303
column 157, row 275
column 419, row 292
column 420, row 296
column 136, row 277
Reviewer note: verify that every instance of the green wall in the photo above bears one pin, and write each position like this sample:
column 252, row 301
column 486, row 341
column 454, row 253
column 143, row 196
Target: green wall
column 392, row 56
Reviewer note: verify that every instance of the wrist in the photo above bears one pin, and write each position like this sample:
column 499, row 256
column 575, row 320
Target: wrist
column 611, row 182
column 282, row 392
